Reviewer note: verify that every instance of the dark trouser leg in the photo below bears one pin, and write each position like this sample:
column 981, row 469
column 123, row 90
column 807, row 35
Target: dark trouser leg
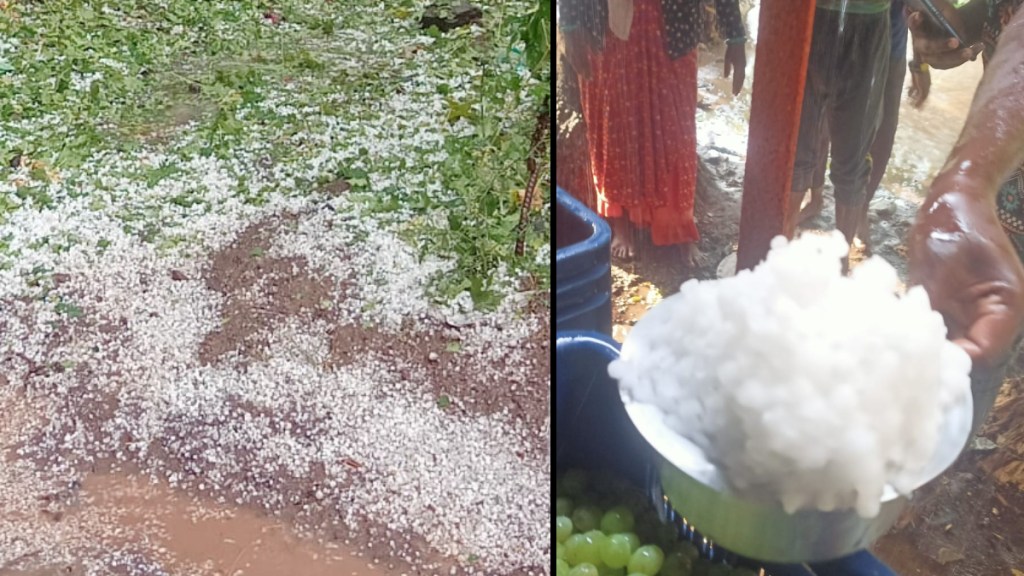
column 817, row 201
column 881, row 148
column 812, row 113
column 858, row 86
column 818, row 180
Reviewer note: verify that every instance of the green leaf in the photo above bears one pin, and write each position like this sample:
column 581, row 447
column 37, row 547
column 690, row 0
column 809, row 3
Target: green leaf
column 69, row 309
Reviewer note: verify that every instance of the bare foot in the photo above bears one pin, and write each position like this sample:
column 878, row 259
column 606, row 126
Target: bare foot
column 814, row 206
column 692, row 257
column 864, row 233
column 622, row 239
column 847, row 220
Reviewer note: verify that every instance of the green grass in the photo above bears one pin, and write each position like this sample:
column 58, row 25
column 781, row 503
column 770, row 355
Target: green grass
column 193, row 79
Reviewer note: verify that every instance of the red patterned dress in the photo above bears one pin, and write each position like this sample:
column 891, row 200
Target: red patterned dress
column 639, row 106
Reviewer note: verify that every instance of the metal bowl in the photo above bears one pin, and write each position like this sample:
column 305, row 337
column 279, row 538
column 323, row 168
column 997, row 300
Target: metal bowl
column 695, row 487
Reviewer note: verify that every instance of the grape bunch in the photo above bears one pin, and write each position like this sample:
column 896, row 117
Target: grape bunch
column 606, row 527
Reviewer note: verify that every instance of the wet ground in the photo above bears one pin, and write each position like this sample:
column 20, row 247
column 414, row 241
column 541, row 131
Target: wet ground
column 168, row 529
column 970, row 521
column 252, row 484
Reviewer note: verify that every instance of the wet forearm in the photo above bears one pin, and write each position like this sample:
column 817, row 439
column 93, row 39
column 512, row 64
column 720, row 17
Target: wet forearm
column 991, row 144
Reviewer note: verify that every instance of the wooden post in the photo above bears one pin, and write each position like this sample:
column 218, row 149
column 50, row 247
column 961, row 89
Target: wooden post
column 780, row 70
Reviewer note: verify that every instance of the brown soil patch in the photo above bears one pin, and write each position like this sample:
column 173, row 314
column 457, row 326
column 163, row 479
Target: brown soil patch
column 259, row 290
column 439, row 365
column 970, row 521
column 963, row 524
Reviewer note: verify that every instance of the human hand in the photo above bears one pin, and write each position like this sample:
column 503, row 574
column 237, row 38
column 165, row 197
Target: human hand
column 974, row 278
column 736, row 57
column 921, row 85
column 933, row 45
column 577, row 52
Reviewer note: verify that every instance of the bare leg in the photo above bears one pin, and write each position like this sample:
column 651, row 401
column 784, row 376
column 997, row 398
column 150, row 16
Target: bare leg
column 796, row 198
column 692, row 257
column 813, row 207
column 864, row 229
column 847, row 218
column 622, row 239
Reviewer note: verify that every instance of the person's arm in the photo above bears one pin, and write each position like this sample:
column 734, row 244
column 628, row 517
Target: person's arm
column 730, row 26
column 991, row 144
column 958, row 249
column 933, row 45
column 920, row 81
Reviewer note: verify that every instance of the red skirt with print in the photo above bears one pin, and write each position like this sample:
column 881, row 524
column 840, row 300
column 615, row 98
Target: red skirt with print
column 640, row 107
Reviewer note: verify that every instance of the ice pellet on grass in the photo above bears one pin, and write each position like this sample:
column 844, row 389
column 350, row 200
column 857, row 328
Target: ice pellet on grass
column 804, row 386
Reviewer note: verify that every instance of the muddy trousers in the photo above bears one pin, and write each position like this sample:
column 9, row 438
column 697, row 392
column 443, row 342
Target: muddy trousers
column 846, row 77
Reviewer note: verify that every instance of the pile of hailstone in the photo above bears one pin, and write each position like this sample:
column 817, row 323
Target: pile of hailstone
column 802, row 385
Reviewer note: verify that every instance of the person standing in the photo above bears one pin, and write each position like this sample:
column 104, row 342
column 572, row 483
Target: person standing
column 881, row 147
column 637, row 67
column 846, row 73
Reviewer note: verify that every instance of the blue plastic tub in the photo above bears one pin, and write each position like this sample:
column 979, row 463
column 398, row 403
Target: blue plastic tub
column 593, row 431
column 582, row 268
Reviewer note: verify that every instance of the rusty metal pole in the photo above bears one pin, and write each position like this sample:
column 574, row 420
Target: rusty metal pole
column 780, row 69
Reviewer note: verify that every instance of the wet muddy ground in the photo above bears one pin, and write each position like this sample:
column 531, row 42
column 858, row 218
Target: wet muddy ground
column 267, row 464
column 160, row 529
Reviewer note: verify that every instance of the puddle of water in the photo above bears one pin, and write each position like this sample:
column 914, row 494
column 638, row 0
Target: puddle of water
column 925, row 137
column 187, row 534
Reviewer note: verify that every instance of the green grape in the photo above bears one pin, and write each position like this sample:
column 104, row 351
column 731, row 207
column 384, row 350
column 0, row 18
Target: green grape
column 574, row 482
column 618, row 519
column 583, row 549
column 571, row 547
column 608, row 571
column 647, row 560
column 584, row 569
column 563, row 528
column 634, row 541
column 617, row 550
column 561, row 568
column 586, row 518
column 599, row 537
column 677, row 563
column 559, row 550
column 563, row 506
